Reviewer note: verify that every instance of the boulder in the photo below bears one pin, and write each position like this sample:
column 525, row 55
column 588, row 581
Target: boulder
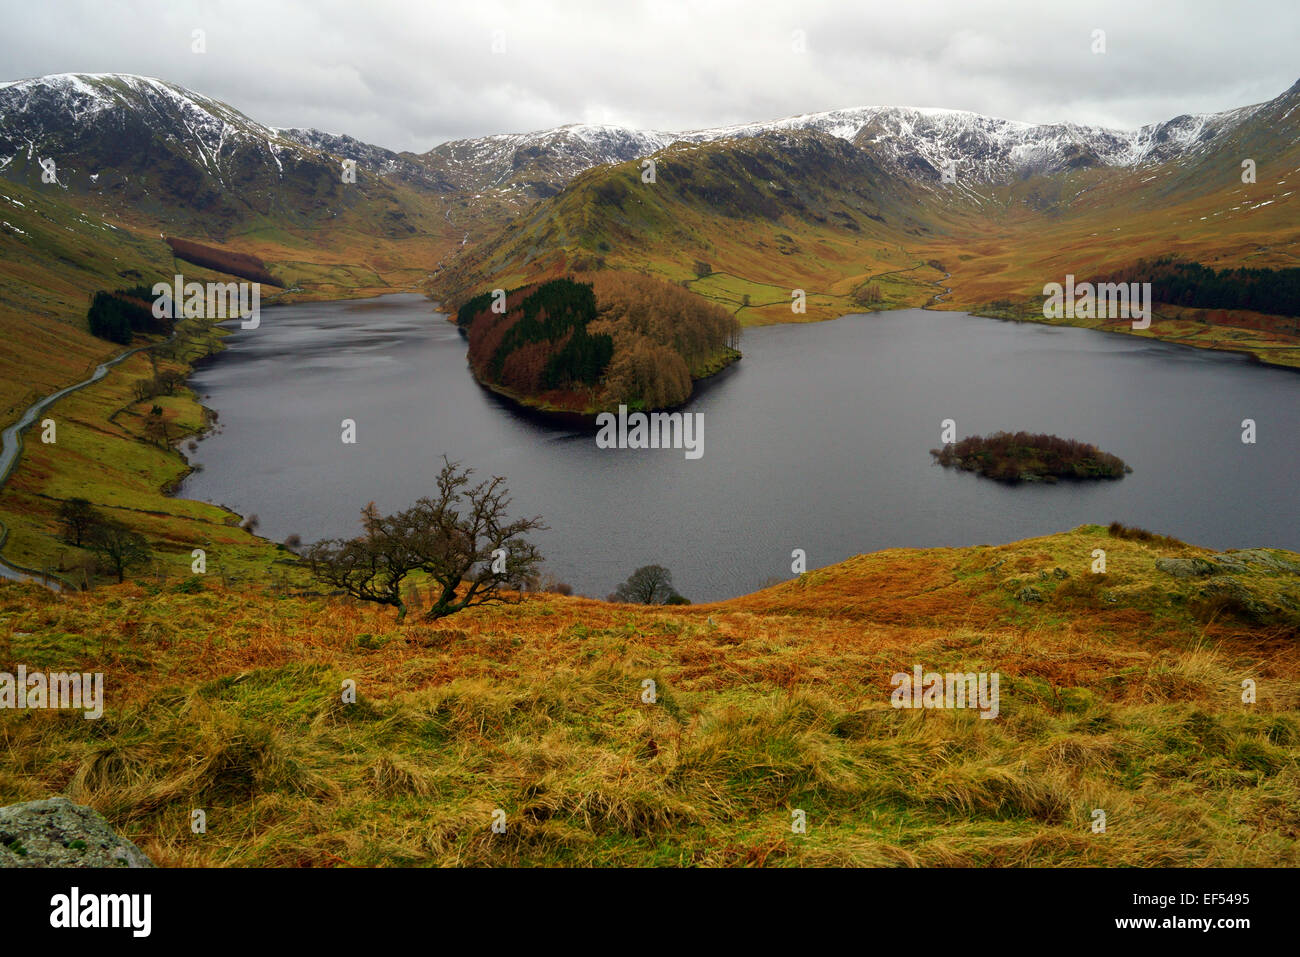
column 1258, row 557
column 57, row 833
column 1185, row 567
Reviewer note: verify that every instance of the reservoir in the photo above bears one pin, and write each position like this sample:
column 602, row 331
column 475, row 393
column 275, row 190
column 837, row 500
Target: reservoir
column 818, row 440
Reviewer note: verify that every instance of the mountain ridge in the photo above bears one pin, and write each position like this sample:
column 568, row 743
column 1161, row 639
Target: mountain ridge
column 919, row 143
column 1005, row 149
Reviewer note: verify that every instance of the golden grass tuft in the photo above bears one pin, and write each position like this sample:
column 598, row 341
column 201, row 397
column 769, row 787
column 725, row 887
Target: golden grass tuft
column 775, row 703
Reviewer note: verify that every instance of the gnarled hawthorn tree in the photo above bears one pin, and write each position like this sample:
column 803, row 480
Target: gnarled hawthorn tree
column 459, row 537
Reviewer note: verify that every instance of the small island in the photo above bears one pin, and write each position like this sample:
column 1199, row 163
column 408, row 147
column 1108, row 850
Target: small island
column 587, row 346
column 1023, row 457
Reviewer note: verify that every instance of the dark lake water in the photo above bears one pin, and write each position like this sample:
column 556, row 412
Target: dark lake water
column 818, row 439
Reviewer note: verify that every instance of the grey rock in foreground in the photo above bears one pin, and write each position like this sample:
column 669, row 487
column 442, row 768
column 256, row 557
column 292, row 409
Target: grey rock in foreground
column 57, row 833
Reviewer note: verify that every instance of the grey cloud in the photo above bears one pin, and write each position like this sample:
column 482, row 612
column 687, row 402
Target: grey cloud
column 409, row 75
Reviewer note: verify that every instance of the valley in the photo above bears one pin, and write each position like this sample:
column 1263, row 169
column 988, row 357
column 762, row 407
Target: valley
column 528, row 303
column 800, row 220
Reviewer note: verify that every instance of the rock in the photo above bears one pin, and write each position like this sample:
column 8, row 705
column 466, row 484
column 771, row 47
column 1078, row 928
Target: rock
column 1185, row 567
column 1256, row 556
column 1239, row 598
column 57, row 833
column 1226, row 564
column 1060, row 573
column 1029, row 594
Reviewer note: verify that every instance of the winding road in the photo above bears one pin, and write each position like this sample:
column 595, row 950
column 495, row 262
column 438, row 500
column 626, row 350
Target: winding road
column 946, row 289
column 11, row 447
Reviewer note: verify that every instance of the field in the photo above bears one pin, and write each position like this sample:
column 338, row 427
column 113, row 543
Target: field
column 102, row 454
column 1119, row 693
column 61, row 257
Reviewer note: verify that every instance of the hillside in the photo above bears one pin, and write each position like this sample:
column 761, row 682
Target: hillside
column 915, row 142
column 851, row 208
column 136, row 157
column 1121, row 694
column 141, row 148
column 766, row 215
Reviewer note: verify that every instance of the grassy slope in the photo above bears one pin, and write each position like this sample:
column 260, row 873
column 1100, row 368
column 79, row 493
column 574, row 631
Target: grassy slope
column 1117, row 697
column 49, row 271
column 64, row 254
column 1101, row 221
column 101, row 454
column 726, row 204
column 722, row 204
column 48, row 274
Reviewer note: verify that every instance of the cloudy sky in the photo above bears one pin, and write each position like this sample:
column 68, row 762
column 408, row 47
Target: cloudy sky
column 409, row 74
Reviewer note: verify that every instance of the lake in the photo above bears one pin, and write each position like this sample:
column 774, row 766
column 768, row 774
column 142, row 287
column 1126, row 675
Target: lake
column 818, row 439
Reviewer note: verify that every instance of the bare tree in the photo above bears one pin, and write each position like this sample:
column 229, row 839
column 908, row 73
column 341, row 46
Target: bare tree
column 460, row 538
column 78, row 518
column 371, row 567
column 155, row 425
column 168, row 382
column 145, row 389
column 119, row 548
column 648, row 585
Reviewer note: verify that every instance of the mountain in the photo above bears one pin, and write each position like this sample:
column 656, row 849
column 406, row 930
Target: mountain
column 375, row 159
column 146, row 149
column 919, row 142
column 850, row 205
column 143, row 147
column 914, row 142
column 772, row 212
column 538, row 164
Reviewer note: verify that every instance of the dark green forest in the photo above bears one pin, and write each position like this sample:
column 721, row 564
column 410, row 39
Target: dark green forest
column 1181, row 283
column 116, row 316
column 617, row 338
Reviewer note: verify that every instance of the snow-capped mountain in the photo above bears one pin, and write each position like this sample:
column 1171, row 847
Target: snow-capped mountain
column 540, row 163
column 915, row 142
column 142, row 145
column 921, row 142
column 376, row 159
column 142, row 142
column 68, row 116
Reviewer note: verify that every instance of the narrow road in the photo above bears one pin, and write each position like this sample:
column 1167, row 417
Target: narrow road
column 946, row 289
column 11, row 447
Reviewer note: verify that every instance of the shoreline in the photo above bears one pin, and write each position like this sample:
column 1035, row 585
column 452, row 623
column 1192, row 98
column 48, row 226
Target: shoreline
column 168, row 489
column 985, row 311
column 580, row 421
column 585, row 420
